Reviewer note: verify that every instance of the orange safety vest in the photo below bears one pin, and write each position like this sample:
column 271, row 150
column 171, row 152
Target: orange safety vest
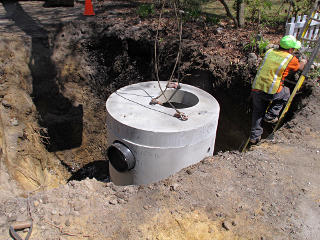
column 270, row 72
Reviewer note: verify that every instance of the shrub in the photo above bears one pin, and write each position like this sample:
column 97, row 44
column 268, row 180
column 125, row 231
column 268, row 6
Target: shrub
column 145, row 10
column 257, row 44
column 212, row 19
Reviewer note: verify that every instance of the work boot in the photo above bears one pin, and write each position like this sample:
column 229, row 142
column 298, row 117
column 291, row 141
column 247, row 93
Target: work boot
column 254, row 141
column 270, row 120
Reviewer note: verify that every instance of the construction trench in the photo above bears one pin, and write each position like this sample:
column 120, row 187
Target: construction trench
column 57, row 80
column 111, row 62
column 115, row 63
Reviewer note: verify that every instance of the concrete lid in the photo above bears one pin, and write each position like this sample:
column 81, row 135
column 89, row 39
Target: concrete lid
column 130, row 106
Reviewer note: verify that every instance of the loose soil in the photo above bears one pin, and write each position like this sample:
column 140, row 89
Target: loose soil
column 57, row 69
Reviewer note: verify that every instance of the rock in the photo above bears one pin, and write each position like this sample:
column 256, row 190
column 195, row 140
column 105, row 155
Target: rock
column 110, row 184
column 6, row 104
column 146, row 207
column 174, row 187
column 22, row 210
column 226, row 225
column 234, row 223
column 188, row 171
column 252, row 59
column 78, row 206
column 36, row 203
column 14, row 122
column 54, row 212
column 45, row 199
column 120, row 195
column 121, row 201
column 12, row 218
column 67, row 223
column 219, row 30
column 129, row 189
column 3, row 220
column 89, row 185
column 274, row 46
column 113, row 201
column 252, row 56
column 307, row 130
column 28, row 111
column 76, row 213
column 56, row 222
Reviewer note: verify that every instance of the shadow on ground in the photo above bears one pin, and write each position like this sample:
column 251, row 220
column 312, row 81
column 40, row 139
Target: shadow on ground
column 97, row 169
column 63, row 121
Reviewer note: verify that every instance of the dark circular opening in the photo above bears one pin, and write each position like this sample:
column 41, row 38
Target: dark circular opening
column 175, row 104
column 117, row 159
column 178, row 98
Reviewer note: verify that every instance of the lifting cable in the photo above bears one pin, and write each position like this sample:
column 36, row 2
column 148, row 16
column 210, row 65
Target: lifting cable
column 170, row 84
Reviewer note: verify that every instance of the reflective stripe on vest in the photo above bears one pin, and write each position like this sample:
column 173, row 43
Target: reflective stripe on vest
column 269, row 75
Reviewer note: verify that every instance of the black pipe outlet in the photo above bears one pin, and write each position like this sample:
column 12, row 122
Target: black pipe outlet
column 120, row 157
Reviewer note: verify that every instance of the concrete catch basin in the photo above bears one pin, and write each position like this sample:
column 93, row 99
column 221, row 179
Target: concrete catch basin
column 146, row 143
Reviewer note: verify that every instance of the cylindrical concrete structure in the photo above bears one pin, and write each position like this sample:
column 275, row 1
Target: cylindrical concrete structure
column 146, row 142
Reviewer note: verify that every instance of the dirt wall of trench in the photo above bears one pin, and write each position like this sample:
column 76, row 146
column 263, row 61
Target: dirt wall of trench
column 68, row 73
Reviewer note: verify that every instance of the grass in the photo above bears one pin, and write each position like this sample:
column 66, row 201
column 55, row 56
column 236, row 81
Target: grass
column 216, row 8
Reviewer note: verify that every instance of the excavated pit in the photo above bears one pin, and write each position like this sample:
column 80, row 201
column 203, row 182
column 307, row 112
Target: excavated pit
column 114, row 62
column 75, row 70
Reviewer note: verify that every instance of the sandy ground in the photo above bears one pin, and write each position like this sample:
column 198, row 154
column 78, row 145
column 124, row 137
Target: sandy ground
column 269, row 192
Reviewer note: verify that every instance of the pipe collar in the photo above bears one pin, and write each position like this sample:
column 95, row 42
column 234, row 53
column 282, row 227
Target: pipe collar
column 121, row 157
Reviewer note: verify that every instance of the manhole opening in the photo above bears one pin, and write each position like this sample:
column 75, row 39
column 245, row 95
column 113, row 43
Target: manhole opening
column 178, row 98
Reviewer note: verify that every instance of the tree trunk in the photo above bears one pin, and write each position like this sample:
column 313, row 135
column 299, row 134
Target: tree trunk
column 240, row 12
column 229, row 14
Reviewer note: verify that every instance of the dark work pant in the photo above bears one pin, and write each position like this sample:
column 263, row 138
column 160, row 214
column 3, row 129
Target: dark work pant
column 261, row 101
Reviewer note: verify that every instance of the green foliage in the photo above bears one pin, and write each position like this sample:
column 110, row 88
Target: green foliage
column 262, row 45
column 193, row 14
column 257, row 45
column 314, row 73
column 273, row 20
column 193, row 11
column 145, row 10
column 212, row 19
column 257, row 8
column 192, row 4
column 301, row 7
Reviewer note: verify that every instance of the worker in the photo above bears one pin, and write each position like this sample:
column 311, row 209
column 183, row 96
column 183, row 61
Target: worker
column 268, row 85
